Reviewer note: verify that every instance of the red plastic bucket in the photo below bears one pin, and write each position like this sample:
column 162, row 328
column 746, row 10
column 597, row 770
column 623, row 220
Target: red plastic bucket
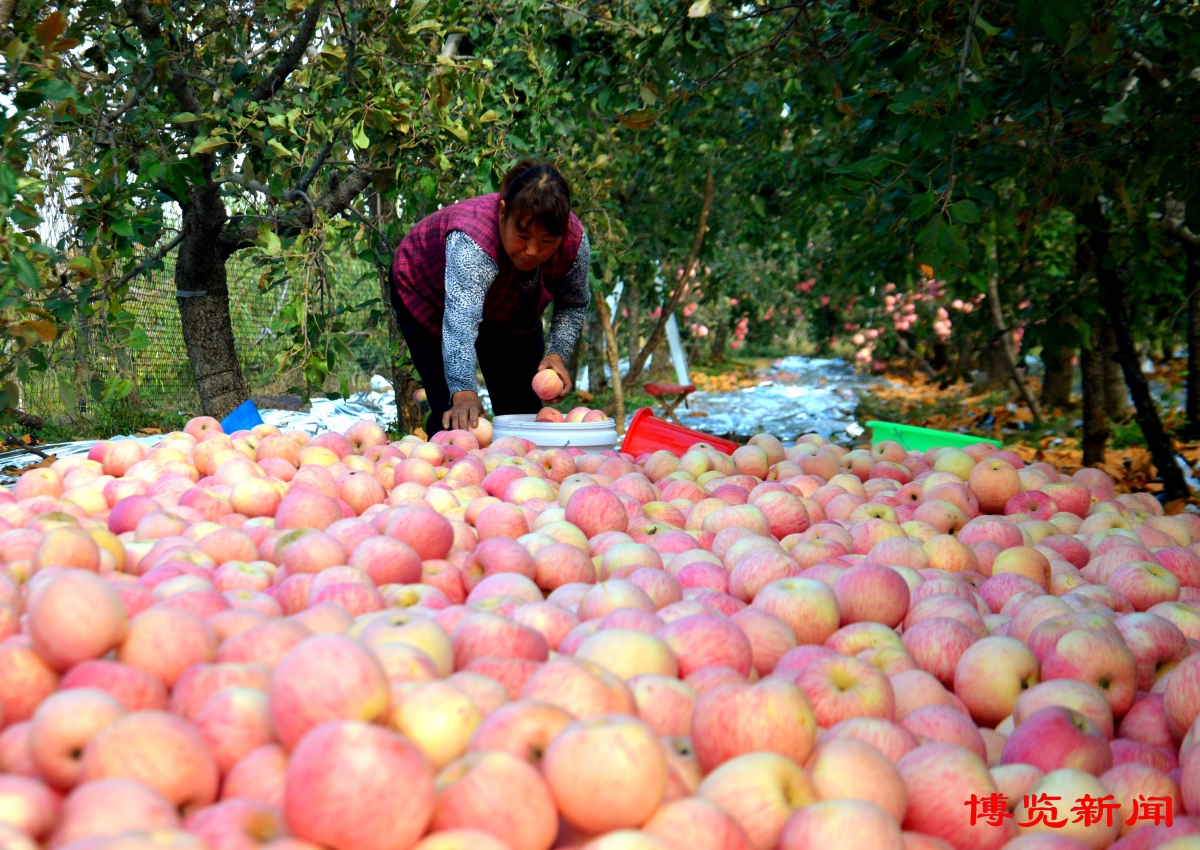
column 648, row 434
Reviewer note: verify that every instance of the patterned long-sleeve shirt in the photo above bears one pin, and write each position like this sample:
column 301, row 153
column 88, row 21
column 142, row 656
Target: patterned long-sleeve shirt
column 470, row 272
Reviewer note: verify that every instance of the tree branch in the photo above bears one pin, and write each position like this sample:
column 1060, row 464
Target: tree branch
column 148, row 261
column 242, row 231
column 266, row 89
column 660, row 328
column 149, row 27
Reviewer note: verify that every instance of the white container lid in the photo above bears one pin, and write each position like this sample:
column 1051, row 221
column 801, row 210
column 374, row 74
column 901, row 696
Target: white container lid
column 589, row 436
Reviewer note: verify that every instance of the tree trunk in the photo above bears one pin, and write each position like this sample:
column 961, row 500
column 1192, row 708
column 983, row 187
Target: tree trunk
column 202, row 289
column 995, row 367
column 1095, row 424
column 633, row 302
column 614, row 364
column 597, row 380
column 636, row 364
column 1002, row 330
column 1056, row 385
column 1112, row 291
column 720, row 336
column 1116, row 394
column 1192, row 290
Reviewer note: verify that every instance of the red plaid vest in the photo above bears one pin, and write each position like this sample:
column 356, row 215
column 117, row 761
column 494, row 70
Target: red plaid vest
column 419, row 267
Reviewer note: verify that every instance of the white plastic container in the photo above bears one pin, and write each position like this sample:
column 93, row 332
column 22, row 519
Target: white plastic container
column 589, row 436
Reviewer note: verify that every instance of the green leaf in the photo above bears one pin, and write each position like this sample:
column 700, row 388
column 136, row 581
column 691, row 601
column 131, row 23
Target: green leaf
column 68, row 395
column 864, row 168
column 138, row 341
column 1115, row 114
column 275, row 145
column 26, row 273
column 207, row 144
column 184, row 118
column 921, row 204
column 458, row 131
column 964, row 212
column 988, row 30
column 700, row 9
column 489, row 116
column 360, row 138
column 54, row 90
column 268, row 240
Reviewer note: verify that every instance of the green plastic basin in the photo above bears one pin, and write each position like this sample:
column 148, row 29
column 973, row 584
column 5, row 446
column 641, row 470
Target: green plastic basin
column 921, row 439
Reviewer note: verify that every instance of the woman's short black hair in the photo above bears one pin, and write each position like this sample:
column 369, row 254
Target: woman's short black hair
column 534, row 191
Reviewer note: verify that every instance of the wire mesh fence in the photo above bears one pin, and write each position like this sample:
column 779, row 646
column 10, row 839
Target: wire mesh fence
column 160, row 371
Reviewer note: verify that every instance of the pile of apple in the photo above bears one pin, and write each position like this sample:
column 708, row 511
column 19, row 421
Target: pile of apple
column 575, row 414
column 264, row 640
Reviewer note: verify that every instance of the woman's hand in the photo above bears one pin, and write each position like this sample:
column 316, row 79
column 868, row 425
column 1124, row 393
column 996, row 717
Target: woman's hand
column 465, row 410
column 553, row 361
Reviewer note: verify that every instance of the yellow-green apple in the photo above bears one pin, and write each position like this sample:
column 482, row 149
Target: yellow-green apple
column 808, row 606
column 158, row 749
column 457, row 839
column 760, row 791
column 627, row 653
column 940, row 780
column 704, row 640
column 1023, row 561
column 1185, row 617
column 323, row 678
column 956, row 462
column 948, row 553
column 626, row 776
column 476, row 792
column 62, row 726
column 991, row 674
column 110, row 807
column 358, row 809
column 845, row 824
column 846, row 768
column 74, row 617
column 1101, row 660
column 580, row 687
column 259, row 775
column 771, row 716
column 1067, row 786
column 438, row 718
